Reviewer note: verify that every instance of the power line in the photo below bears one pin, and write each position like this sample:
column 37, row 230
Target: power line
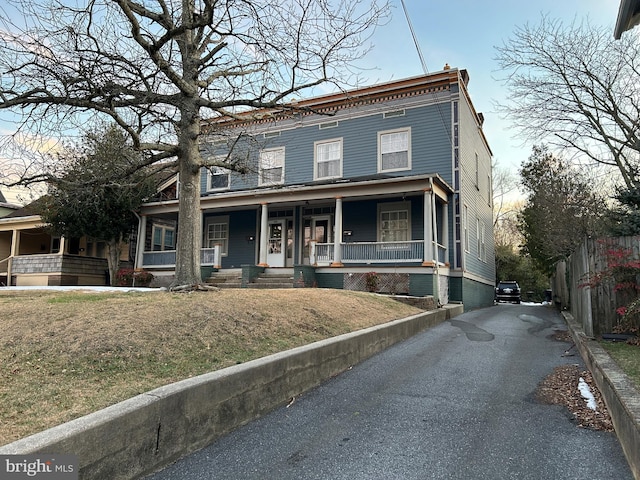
column 415, row 39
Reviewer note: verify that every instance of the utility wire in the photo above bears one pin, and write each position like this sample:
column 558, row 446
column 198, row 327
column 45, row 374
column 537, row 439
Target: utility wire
column 415, row 39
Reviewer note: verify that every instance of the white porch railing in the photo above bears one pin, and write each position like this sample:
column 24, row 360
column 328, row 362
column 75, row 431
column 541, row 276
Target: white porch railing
column 374, row 252
column 167, row 258
column 382, row 252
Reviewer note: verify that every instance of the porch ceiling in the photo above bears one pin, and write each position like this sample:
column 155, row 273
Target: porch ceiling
column 295, row 194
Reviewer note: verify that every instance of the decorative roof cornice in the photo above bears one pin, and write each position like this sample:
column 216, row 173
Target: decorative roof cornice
column 331, row 103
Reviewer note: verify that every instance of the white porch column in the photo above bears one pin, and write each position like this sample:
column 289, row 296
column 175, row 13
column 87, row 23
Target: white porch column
column 15, row 249
column 264, row 227
column 427, row 261
column 140, row 243
column 337, row 235
column 62, row 241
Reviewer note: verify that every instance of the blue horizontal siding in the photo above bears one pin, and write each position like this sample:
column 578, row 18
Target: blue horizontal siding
column 430, row 146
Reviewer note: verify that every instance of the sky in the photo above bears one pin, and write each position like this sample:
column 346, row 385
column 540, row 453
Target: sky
column 464, row 34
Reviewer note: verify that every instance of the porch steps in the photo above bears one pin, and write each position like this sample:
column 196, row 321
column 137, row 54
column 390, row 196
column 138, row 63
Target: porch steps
column 269, row 279
column 226, row 279
column 272, row 280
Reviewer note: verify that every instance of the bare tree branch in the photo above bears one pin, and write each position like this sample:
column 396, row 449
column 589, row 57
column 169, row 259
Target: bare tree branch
column 158, row 68
column 576, row 88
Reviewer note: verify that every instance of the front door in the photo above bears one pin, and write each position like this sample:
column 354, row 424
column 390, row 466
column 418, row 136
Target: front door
column 318, row 229
column 276, row 243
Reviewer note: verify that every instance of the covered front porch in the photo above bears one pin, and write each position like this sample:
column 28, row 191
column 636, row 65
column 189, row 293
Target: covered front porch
column 385, row 222
column 31, row 256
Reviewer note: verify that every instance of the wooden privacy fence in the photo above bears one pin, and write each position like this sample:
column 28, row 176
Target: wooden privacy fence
column 574, row 285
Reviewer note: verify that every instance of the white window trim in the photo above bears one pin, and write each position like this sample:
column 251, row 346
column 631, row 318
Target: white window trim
column 393, row 207
column 163, row 229
column 483, row 242
column 386, row 132
column 315, row 158
column 465, row 227
column 261, row 180
column 210, row 175
column 394, row 113
column 482, row 247
column 220, row 220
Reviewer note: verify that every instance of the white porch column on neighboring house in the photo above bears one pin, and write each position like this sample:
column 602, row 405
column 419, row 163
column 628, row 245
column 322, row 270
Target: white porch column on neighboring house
column 427, row 261
column 61, row 251
column 142, row 240
column 337, row 235
column 15, row 249
column 264, row 232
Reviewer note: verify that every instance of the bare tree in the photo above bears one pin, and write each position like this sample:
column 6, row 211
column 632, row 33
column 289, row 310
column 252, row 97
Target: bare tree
column 504, row 184
column 159, row 68
column 575, row 87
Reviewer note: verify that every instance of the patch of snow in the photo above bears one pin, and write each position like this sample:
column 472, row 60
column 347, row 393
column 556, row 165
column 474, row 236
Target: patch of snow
column 585, row 391
column 86, row 288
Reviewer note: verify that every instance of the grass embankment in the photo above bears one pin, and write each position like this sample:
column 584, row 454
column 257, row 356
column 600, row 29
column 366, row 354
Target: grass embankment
column 627, row 357
column 64, row 355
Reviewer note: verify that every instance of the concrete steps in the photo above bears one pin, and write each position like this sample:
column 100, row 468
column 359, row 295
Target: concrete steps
column 269, row 279
column 226, row 279
column 272, row 280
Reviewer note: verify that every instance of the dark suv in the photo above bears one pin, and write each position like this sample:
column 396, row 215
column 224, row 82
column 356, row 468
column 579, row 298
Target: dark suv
column 508, row 291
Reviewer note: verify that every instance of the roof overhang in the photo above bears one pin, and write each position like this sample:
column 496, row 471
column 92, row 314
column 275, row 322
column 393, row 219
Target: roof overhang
column 20, row 223
column 628, row 17
column 295, row 194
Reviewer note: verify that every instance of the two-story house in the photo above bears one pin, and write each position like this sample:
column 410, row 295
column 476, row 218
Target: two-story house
column 387, row 186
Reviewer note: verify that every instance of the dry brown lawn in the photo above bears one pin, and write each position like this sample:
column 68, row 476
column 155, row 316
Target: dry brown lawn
column 64, row 355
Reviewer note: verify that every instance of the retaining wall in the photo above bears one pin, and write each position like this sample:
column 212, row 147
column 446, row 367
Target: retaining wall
column 619, row 393
column 149, row 431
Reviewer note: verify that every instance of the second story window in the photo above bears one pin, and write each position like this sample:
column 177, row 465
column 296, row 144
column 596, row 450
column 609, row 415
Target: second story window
column 394, row 152
column 328, row 159
column 271, row 166
column 219, row 179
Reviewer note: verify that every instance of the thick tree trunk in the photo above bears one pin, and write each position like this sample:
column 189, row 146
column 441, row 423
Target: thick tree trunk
column 189, row 230
column 189, row 236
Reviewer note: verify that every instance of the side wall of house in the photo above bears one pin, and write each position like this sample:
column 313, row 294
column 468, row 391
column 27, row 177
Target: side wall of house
column 476, row 203
column 472, row 293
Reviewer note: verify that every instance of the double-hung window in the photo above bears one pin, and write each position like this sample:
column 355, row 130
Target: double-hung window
column 163, row 238
column 328, row 159
column 394, row 150
column 217, row 233
column 271, row 166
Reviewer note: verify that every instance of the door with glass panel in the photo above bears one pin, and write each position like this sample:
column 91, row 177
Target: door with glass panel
column 276, row 243
column 319, row 230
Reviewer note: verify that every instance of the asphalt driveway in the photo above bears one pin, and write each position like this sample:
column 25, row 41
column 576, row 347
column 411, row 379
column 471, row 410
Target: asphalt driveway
column 454, row 402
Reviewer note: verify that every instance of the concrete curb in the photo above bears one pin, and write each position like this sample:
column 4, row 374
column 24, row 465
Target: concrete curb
column 143, row 434
column 619, row 393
